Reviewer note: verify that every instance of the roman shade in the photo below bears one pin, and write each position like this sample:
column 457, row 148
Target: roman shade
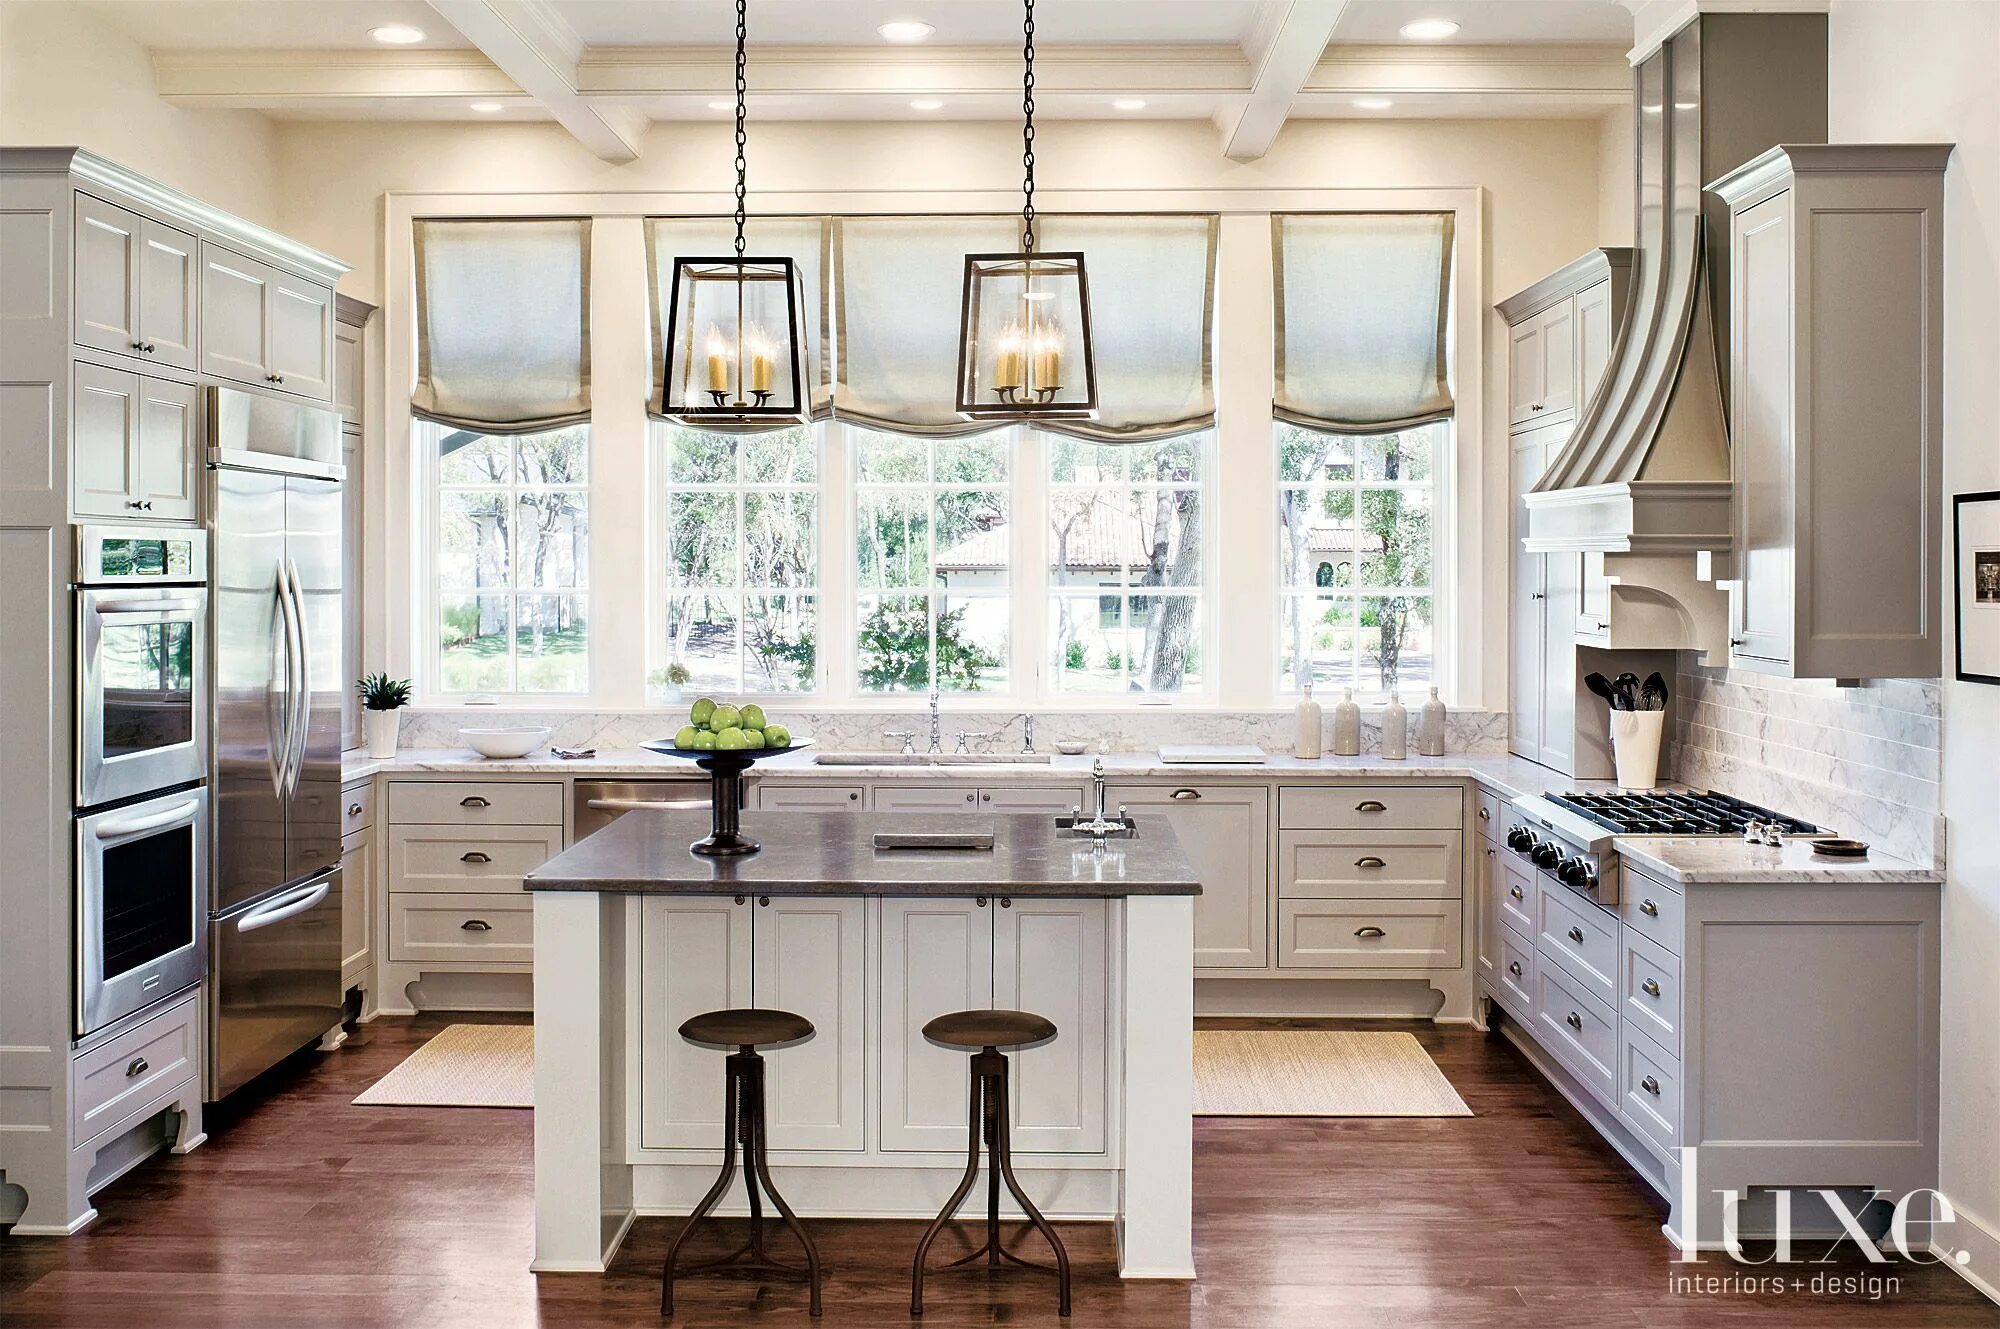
column 804, row 240
column 503, row 323
column 1362, row 311
column 898, row 287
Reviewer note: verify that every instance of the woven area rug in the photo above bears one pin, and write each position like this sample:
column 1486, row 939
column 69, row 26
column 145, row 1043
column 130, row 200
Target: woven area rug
column 465, row 1065
column 1318, row 1073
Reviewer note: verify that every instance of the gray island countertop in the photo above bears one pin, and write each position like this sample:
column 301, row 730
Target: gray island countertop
column 834, row 854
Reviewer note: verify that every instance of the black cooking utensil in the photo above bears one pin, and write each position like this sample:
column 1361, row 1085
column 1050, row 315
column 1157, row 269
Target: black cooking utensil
column 1601, row 685
column 1627, row 685
column 1653, row 695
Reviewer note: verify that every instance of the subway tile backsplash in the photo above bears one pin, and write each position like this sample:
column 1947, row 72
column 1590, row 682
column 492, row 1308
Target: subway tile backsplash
column 1861, row 761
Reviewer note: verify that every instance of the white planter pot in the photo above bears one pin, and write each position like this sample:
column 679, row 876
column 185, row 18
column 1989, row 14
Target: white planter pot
column 1635, row 747
column 380, row 728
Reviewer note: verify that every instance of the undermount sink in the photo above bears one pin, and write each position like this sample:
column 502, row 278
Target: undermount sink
column 931, row 758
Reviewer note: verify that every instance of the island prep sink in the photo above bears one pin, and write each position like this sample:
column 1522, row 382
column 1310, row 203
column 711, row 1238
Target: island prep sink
column 931, row 758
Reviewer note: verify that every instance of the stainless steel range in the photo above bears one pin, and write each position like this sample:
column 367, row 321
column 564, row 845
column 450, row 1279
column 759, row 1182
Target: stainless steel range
column 1572, row 836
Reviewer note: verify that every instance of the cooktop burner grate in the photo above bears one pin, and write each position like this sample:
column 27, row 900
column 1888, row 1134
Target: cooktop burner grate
column 1677, row 814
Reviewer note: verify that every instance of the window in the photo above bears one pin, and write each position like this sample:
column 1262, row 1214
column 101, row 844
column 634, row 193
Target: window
column 511, row 562
column 741, row 527
column 931, row 559
column 1356, row 558
column 1126, row 555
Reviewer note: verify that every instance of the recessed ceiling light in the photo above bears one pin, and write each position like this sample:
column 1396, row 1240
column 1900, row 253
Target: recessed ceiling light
column 1372, row 103
column 905, row 30
column 927, row 104
column 397, row 34
column 1129, row 104
column 1429, row 29
column 486, row 108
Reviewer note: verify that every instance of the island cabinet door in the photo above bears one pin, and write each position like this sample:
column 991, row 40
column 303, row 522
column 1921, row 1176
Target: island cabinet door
column 1051, row 957
column 1225, row 830
column 694, row 956
column 809, row 959
column 937, row 957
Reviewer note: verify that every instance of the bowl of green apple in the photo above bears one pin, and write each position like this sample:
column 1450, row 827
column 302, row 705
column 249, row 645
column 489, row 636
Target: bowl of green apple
column 715, row 728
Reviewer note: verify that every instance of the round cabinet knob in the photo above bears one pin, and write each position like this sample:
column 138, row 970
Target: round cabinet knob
column 986, row 798
column 853, row 796
column 968, row 798
column 1545, row 855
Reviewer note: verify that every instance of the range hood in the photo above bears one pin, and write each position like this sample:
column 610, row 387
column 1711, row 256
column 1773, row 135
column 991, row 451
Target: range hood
column 1644, row 481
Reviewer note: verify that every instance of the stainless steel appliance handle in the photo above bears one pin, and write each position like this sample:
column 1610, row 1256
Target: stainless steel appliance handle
column 294, row 668
column 302, row 682
column 290, row 906
column 152, row 821
column 641, row 804
column 281, row 739
column 178, row 604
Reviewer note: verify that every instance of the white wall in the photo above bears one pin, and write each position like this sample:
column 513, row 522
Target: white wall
column 67, row 78
column 1923, row 70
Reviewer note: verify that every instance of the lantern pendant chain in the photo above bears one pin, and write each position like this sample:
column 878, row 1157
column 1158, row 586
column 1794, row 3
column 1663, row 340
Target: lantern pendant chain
column 742, row 137
column 1027, row 123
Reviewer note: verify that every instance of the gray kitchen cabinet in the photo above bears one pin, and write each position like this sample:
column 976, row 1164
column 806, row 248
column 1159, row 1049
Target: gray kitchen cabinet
column 1836, row 322
column 1225, row 830
column 137, row 287
column 1541, row 373
column 351, row 400
column 263, row 325
column 1547, row 587
column 138, row 446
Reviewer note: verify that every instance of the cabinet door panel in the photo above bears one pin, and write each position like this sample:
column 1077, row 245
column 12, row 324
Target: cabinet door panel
column 1529, row 606
column 1013, row 799
column 357, row 900
column 1558, row 348
column 1525, row 365
column 347, row 392
column 926, row 798
column 809, row 960
column 694, row 956
column 170, row 443
column 1593, row 340
column 301, row 353
column 808, row 798
column 1762, row 442
column 235, row 315
column 1226, row 833
column 106, row 288
column 105, row 443
column 937, row 957
column 169, row 293
column 1049, row 957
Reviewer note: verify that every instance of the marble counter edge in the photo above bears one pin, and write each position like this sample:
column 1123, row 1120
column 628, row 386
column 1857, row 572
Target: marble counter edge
column 1728, row 861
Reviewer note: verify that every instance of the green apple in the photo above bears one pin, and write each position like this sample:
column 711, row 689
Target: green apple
column 730, row 740
column 684, row 736
column 703, row 708
column 753, row 717
column 724, row 717
column 703, row 741
column 753, row 739
column 777, row 736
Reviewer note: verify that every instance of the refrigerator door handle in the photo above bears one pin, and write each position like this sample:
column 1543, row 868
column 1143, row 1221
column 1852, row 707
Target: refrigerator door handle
column 286, row 906
column 280, row 726
column 294, row 666
column 302, row 702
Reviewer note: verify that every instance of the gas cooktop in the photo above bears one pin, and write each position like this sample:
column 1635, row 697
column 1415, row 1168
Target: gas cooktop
column 1677, row 814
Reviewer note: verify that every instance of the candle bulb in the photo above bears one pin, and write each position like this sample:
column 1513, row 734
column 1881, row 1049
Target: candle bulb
column 718, row 360
column 1008, row 364
column 760, row 351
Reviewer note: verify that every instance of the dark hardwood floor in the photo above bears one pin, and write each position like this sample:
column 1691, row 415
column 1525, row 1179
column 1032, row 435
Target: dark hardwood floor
column 307, row 1211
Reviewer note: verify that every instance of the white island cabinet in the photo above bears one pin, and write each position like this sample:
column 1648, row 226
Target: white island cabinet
column 867, row 1119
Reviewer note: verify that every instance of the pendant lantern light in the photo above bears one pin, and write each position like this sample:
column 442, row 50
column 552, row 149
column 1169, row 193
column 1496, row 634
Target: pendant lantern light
column 1024, row 349
column 735, row 343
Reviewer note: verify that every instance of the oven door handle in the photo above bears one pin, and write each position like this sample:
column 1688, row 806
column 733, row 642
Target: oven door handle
column 178, row 604
column 290, row 906
column 644, row 804
column 118, row 829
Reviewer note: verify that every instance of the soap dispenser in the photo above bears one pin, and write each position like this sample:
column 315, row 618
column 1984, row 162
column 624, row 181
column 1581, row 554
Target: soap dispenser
column 1346, row 726
column 1307, row 747
column 1430, row 727
column 1395, row 730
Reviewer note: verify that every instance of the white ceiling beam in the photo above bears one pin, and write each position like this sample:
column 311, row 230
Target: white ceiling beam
column 1283, row 48
column 536, row 47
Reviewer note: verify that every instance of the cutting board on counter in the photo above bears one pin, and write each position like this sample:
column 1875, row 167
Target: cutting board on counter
column 1197, row 754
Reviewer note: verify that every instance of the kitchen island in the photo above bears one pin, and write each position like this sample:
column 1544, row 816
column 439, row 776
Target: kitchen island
column 634, row 934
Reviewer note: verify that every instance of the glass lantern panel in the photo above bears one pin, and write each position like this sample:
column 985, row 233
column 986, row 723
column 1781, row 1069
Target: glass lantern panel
column 735, row 343
column 1026, row 336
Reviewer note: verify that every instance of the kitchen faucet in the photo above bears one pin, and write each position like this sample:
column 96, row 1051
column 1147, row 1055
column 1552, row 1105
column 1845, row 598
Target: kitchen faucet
column 1027, row 735
column 937, row 734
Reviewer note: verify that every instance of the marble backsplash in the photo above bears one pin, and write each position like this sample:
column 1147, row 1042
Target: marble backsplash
column 1128, row 730
column 1863, row 761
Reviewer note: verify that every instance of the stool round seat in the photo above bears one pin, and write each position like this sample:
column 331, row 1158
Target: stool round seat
column 746, row 1027
column 989, row 1029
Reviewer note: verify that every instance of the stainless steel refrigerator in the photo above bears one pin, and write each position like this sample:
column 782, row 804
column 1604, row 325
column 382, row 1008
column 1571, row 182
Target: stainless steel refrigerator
column 274, row 904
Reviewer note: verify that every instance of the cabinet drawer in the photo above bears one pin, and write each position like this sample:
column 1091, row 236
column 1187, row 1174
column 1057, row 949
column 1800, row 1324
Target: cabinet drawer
column 1649, row 1096
column 142, row 1063
column 809, row 798
column 1490, row 813
column 1017, row 799
column 1649, row 989
column 1581, row 938
column 1382, row 865
column 926, row 798
column 1652, row 910
column 1579, row 1030
column 478, row 929
column 1368, row 934
column 1514, row 979
column 1517, row 893
column 491, row 860
column 1371, row 807
column 476, row 804
column 357, row 806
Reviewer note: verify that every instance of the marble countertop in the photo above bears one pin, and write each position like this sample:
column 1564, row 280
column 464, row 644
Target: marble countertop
column 834, row 854
column 1698, row 860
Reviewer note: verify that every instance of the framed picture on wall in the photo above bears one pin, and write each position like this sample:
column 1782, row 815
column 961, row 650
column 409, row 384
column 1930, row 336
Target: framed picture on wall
column 1976, row 537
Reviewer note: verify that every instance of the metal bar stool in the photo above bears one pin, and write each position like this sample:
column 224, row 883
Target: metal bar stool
column 989, row 1031
column 743, row 1122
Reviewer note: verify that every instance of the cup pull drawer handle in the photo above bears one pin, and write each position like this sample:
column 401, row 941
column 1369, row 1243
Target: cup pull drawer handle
column 1514, row 968
column 1486, row 814
column 1369, row 861
column 1650, row 1085
column 474, row 856
column 1370, row 932
column 1185, row 795
column 1517, row 892
column 1576, row 935
column 474, row 801
column 353, row 809
column 1652, row 987
column 1649, row 909
column 1575, row 1021
column 475, row 925
column 137, row 1066
column 1371, row 805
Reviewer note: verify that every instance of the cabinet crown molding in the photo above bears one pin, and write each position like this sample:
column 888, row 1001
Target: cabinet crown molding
column 1771, row 166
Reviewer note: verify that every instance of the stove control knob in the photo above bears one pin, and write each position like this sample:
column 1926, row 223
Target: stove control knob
column 1545, row 854
column 1520, row 839
column 1575, row 872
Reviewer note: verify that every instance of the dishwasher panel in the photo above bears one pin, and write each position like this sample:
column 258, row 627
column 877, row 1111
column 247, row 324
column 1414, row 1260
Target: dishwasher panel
column 601, row 802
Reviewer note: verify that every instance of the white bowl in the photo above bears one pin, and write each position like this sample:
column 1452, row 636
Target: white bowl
column 1071, row 747
column 504, row 742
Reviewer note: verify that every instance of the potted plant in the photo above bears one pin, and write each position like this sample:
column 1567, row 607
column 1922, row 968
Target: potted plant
column 667, row 683
column 383, row 698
